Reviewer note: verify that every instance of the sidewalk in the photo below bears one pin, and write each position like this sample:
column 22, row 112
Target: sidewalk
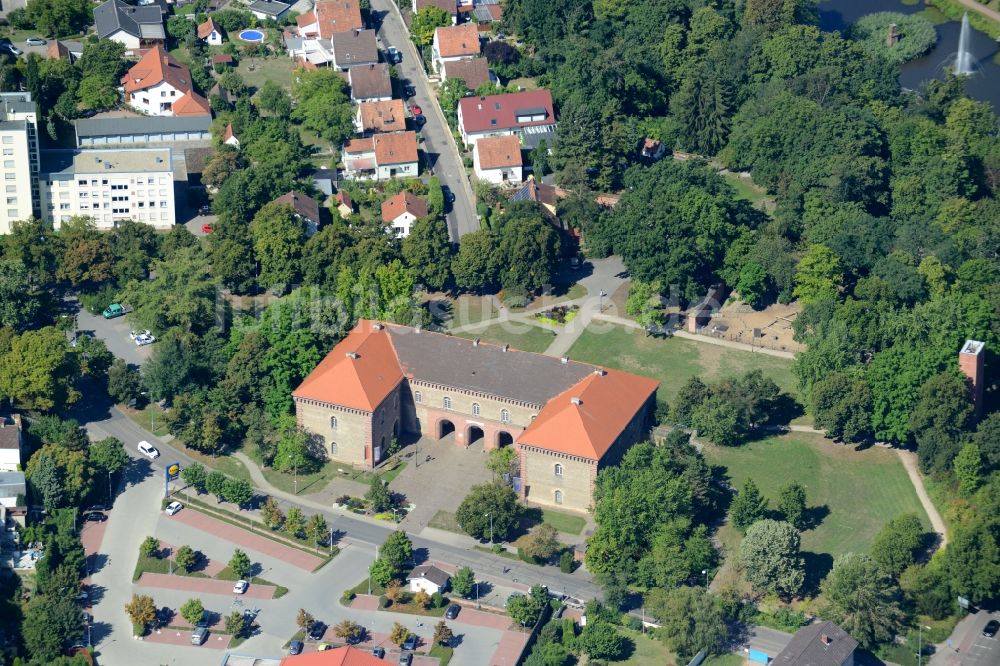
column 202, row 585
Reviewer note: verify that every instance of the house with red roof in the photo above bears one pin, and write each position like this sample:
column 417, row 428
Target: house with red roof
column 402, row 210
column 210, row 32
column 381, row 157
column 159, row 85
column 454, row 42
column 528, row 114
column 565, row 419
column 315, row 29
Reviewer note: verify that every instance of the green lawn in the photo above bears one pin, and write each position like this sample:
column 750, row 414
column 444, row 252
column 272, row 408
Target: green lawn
column 746, row 189
column 149, row 418
column 386, row 473
column 301, row 484
column 860, row 490
column 467, row 310
column 564, row 522
column 445, row 520
column 648, row 650
column 278, row 69
column 516, row 334
column 674, row 360
column 725, row 660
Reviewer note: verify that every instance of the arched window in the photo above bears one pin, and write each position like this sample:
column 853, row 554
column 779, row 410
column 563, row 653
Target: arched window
column 475, row 409
column 333, row 423
column 558, row 469
column 417, row 397
column 447, row 402
column 557, row 496
column 333, row 448
column 504, row 416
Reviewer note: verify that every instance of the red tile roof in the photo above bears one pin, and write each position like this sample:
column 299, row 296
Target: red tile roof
column 449, row 6
column 155, row 67
column 395, row 148
column 331, row 16
column 303, row 205
column 342, row 656
column 384, row 116
column 345, row 199
column 357, row 146
column 207, row 28
column 404, row 202
column 191, row 104
column 493, row 112
column 222, row 59
column 457, row 40
column 497, row 152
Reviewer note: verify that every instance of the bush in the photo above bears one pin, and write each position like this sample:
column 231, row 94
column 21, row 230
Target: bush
column 347, row 597
column 567, row 562
column 437, row 600
column 916, row 34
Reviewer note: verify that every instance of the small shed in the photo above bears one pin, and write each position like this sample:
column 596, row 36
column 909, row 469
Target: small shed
column 428, row 578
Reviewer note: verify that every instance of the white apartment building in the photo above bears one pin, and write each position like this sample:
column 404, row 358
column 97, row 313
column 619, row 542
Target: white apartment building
column 19, row 144
column 109, row 186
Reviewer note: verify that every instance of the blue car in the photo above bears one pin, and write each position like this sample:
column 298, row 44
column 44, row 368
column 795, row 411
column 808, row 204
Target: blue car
column 295, row 647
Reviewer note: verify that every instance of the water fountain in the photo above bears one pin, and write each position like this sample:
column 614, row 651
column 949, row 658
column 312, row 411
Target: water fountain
column 963, row 61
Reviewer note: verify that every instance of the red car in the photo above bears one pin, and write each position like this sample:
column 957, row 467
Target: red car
column 416, row 110
column 206, row 228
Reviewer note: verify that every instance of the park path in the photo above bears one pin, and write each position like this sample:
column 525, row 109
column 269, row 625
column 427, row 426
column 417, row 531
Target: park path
column 981, row 9
column 909, row 459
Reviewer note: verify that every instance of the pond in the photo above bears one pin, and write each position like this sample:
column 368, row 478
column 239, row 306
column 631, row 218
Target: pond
column 983, row 85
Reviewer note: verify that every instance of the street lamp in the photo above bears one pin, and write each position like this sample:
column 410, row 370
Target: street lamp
column 704, row 572
column 490, row 516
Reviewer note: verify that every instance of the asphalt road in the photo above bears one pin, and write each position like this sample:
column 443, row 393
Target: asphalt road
column 438, row 146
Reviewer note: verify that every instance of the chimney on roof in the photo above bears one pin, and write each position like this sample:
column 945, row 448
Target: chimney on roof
column 352, row 355
column 826, row 640
column 576, row 401
column 564, row 360
column 475, row 343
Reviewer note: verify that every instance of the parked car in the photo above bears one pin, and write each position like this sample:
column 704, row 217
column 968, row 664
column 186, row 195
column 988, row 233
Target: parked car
column 323, row 647
column 13, row 50
column 449, row 196
column 378, row 652
column 148, row 450
column 206, row 228
column 205, row 210
column 114, row 310
column 98, row 507
column 35, row 41
column 94, row 517
column 173, row 508
column 316, row 631
column 145, row 338
column 295, row 647
column 393, row 55
column 410, row 643
column 452, row 611
column 991, row 628
column 415, row 110
column 199, row 635
column 241, row 587
column 405, row 658
column 409, row 91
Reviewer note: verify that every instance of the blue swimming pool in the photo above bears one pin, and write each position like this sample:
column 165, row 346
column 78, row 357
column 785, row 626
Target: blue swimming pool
column 251, row 35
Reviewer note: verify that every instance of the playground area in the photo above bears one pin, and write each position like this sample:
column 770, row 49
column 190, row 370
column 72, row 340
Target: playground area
column 737, row 321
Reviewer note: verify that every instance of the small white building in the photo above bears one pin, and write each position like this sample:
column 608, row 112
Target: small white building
column 268, row 10
column 497, row 160
column 11, row 486
column 381, row 157
column 402, row 210
column 454, row 42
column 428, row 578
column 229, row 138
column 11, row 443
column 210, row 33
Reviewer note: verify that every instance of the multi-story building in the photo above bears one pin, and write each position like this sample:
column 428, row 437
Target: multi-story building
column 565, row 419
column 159, row 85
column 19, row 143
column 109, row 186
column 528, row 114
column 136, row 27
column 381, row 157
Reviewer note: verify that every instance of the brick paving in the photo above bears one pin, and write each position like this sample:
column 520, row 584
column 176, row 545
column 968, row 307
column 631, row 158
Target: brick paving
column 92, row 534
column 183, row 637
column 365, row 602
column 511, row 646
column 203, row 585
column 207, row 566
column 478, row 618
column 238, row 536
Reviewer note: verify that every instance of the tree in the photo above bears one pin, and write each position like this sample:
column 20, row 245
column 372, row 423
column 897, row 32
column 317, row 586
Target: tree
column 600, row 640
column 150, row 547
column 237, row 491
column 349, row 631
column 427, row 251
column 58, row 18
column 422, row 599
column 770, row 558
column 278, row 235
column 271, row 513
column 397, row 550
column 193, row 611
column 185, row 558
column 898, row 543
column 293, row 452
column 645, row 304
column 37, row 370
column 818, row 276
column 124, row 382
column 295, row 523
column 239, row 564
column 843, row 406
column 399, row 633
column 435, row 196
column 61, row 476
column 939, row 421
column 19, row 300
column 141, row 610
column 490, row 511
column 304, row 619
column 792, row 504
column 382, row 572
column 691, row 619
column 236, row 624
column 748, row 506
column 317, row 528
column 476, row 265
column 443, row 635
column 98, row 92
column 50, row 624
column 542, row 542
column 969, row 469
column 463, row 581
column 529, row 248
column 215, row 484
column 719, row 420
column 194, row 476
column 526, row 609
column 378, row 496
column 690, row 396
column 425, row 22
column 863, row 598
column 502, row 461
column 274, row 99
column 109, row 456
column 322, row 105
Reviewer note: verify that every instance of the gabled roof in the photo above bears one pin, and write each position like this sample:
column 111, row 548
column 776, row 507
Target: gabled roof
column 586, row 419
column 354, row 46
column 207, row 28
column 494, row 112
column 344, row 199
column 143, row 22
column 369, row 81
column 821, row 644
column 455, row 41
column 57, row 50
column 535, row 191
column 228, row 133
column 332, row 16
column 10, row 433
column 383, row 116
column 404, row 202
column 474, row 71
column 359, row 373
column 191, row 104
column 342, row 656
column 303, row 205
column 155, row 67
column 269, row 7
column 359, row 146
column 498, row 152
column 431, row 573
column 395, row 148
column 222, row 59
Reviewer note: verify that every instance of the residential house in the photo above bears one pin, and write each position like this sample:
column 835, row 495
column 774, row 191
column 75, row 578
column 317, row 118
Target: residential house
column 306, row 209
column 210, row 33
column 388, row 116
column 345, row 204
column 474, row 71
column 268, row 10
column 497, row 159
column 315, row 29
column 821, row 644
column 487, row 12
column 341, row 656
column 12, row 486
column 159, row 85
column 11, row 443
column 370, row 83
column 528, row 114
column 381, row 157
column 565, row 419
column 402, row 210
column 428, row 578
column 652, row 149
column 540, row 193
column 134, row 26
column 454, row 42
column 229, row 138
column 356, row 48
column 449, row 6
column 64, row 50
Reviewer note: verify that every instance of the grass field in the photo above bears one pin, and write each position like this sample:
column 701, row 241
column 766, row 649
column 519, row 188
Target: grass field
column 673, row 360
column 648, row 650
column 278, row 69
column 516, row 334
column 445, row 520
column 564, row 522
column 468, row 309
column 852, row 494
column 746, row 189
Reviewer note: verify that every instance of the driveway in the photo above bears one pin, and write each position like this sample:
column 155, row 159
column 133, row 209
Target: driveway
column 439, row 148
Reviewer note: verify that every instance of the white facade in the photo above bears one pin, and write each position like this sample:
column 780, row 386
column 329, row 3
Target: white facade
column 506, row 175
column 110, row 186
column 401, row 225
column 19, row 148
column 363, row 166
column 10, row 459
column 214, row 38
column 424, row 585
column 122, row 37
column 156, row 100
